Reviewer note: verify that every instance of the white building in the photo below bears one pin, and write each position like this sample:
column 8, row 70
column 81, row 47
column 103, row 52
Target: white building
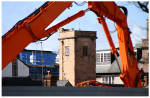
column 16, row 69
column 107, row 69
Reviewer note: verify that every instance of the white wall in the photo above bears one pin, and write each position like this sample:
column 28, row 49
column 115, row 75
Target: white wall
column 7, row 71
column 116, row 80
column 23, row 70
column 108, row 67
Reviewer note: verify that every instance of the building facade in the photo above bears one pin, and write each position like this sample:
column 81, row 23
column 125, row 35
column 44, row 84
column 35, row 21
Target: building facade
column 143, row 56
column 32, row 63
column 107, row 69
column 16, row 69
column 77, row 55
column 40, row 62
column 38, row 57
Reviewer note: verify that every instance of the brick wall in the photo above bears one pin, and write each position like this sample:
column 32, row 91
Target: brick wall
column 74, row 66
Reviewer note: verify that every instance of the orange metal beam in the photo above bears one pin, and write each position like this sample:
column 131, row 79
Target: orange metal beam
column 25, row 34
column 130, row 70
column 30, row 29
column 64, row 22
column 107, row 33
column 33, row 27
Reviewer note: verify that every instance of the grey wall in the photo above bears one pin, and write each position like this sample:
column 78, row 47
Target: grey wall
column 23, row 70
column 7, row 71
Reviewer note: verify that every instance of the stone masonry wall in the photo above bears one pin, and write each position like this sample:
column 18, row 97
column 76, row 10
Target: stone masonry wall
column 85, row 65
column 76, row 67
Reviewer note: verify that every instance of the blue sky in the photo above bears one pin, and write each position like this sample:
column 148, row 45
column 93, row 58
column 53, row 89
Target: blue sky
column 12, row 12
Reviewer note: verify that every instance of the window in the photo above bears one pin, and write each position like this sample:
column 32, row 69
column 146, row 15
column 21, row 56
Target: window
column 103, row 80
column 112, row 79
column 102, row 57
column 67, row 50
column 105, row 57
column 109, row 57
column 85, row 50
column 107, row 79
column 97, row 58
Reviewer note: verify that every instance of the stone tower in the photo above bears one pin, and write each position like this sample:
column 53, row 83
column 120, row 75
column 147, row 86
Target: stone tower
column 77, row 55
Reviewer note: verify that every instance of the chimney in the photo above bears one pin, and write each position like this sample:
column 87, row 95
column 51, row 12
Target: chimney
column 147, row 29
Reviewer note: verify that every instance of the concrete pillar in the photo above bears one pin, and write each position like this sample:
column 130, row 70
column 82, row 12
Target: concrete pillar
column 77, row 55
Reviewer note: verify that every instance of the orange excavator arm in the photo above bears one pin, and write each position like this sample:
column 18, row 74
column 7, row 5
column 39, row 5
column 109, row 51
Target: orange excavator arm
column 30, row 29
column 130, row 72
column 33, row 27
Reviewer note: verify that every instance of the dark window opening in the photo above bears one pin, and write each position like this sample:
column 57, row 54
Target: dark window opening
column 85, row 50
column 15, row 68
column 102, row 57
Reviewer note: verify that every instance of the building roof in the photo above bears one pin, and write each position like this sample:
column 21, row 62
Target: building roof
column 44, row 51
column 66, row 30
column 105, row 50
column 111, row 67
column 49, row 58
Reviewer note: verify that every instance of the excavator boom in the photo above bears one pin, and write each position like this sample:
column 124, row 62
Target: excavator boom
column 32, row 28
column 130, row 72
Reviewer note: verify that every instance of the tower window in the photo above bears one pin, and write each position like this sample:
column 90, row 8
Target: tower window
column 85, row 50
column 67, row 50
